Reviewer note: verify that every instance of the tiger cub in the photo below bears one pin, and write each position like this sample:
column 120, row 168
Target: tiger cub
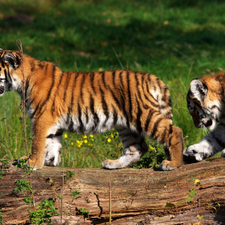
column 135, row 104
column 206, row 104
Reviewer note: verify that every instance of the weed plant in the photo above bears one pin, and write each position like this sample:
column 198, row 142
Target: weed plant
column 175, row 40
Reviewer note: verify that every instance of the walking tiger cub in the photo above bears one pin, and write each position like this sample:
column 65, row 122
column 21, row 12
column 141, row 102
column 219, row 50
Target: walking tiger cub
column 134, row 103
column 206, row 104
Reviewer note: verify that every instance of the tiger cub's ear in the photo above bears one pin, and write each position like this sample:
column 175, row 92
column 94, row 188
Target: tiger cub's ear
column 198, row 89
column 13, row 60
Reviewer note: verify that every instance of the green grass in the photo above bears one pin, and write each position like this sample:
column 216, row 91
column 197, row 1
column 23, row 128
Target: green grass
column 175, row 40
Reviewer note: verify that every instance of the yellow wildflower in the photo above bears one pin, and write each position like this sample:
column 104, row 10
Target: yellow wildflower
column 197, row 181
column 85, row 141
column 71, row 143
column 109, row 140
column 151, row 147
column 65, row 136
column 90, row 144
column 112, row 135
column 84, row 136
column 91, row 136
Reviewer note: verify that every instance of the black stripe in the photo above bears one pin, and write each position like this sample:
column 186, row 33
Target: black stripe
column 152, row 103
column 123, row 107
column 115, row 98
column 113, row 77
column 129, row 96
column 215, row 106
column 8, row 77
column 53, row 83
column 104, row 107
column 49, row 92
column 66, row 86
column 46, row 67
column 81, row 87
column 27, row 86
column 171, row 129
column 96, row 119
column 142, row 80
column 158, row 82
column 86, row 114
column 115, row 116
column 121, row 79
column 32, row 66
column 92, row 78
column 162, row 139
column 155, row 127
column 164, row 94
column 31, row 90
column 137, row 81
column 149, row 91
column 36, row 110
column 41, row 64
column 103, row 80
column 3, row 64
column 149, row 117
column 138, row 119
column 81, row 125
column 170, row 139
column 70, row 121
column 30, row 102
column 53, row 105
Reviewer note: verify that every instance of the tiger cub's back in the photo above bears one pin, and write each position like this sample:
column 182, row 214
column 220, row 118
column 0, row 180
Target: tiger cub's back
column 117, row 97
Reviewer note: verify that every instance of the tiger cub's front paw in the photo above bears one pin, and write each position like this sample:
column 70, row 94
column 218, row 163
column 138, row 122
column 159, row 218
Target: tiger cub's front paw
column 194, row 154
column 24, row 161
column 169, row 165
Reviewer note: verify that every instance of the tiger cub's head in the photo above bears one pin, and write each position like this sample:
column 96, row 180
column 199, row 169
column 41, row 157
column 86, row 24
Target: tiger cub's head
column 9, row 62
column 205, row 101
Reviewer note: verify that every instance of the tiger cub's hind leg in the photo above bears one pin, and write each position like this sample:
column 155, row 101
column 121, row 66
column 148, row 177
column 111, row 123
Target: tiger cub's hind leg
column 172, row 139
column 53, row 150
column 134, row 148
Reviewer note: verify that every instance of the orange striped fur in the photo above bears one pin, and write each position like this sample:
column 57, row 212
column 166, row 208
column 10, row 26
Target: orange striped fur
column 135, row 104
column 206, row 104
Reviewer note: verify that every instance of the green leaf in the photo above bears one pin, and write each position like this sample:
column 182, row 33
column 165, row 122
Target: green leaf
column 189, row 199
column 191, row 179
column 192, row 193
column 199, row 216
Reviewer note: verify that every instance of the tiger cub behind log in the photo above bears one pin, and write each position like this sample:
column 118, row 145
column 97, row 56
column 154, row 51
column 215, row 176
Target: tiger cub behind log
column 206, row 104
column 135, row 104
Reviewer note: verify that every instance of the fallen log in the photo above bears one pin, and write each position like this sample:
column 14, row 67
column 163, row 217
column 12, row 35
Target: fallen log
column 193, row 193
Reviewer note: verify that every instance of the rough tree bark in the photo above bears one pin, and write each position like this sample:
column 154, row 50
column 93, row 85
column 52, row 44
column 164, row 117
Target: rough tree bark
column 138, row 196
